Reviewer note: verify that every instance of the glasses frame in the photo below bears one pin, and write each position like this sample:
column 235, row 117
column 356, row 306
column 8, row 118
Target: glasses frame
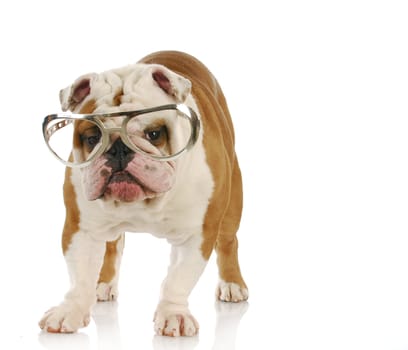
column 68, row 118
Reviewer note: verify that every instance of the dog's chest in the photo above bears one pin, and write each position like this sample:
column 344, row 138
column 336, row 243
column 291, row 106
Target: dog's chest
column 173, row 222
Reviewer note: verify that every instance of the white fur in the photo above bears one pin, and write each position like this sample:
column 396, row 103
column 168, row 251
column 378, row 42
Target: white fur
column 177, row 215
column 229, row 291
column 84, row 260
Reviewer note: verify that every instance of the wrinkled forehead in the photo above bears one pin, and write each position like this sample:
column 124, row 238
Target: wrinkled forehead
column 135, row 86
column 120, row 91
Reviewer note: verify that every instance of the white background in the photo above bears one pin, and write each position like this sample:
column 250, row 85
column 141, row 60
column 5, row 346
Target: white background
column 318, row 93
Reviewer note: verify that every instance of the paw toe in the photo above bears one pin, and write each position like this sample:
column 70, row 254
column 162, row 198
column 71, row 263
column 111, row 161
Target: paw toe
column 231, row 292
column 64, row 319
column 175, row 325
column 106, row 292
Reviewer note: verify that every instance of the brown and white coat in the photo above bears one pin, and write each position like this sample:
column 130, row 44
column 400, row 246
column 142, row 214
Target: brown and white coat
column 197, row 212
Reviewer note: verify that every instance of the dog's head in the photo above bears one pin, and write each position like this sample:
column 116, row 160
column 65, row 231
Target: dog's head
column 120, row 173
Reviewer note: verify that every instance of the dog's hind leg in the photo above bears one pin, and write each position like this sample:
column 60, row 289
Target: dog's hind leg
column 231, row 286
column 107, row 288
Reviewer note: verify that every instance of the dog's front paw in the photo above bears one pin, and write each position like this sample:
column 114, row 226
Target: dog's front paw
column 229, row 291
column 174, row 323
column 65, row 318
column 107, row 291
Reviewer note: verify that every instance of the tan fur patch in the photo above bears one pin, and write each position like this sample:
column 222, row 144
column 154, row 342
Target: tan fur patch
column 83, row 128
column 72, row 215
column 88, row 107
column 71, row 225
column 117, row 100
column 108, row 269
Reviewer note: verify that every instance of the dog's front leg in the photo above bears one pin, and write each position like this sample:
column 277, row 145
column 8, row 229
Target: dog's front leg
column 84, row 258
column 172, row 317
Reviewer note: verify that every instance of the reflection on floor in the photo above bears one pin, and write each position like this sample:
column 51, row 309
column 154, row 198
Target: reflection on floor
column 105, row 315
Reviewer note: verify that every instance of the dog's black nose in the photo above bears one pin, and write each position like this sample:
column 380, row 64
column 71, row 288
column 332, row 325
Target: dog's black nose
column 119, row 155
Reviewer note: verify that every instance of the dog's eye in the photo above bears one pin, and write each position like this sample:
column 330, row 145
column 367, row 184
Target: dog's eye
column 91, row 138
column 157, row 136
column 153, row 135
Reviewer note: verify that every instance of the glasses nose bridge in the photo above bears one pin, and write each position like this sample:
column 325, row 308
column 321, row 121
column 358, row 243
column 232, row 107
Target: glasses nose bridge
column 107, row 129
column 110, row 131
column 112, row 134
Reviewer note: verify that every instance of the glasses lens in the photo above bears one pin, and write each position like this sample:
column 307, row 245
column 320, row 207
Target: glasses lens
column 74, row 141
column 163, row 133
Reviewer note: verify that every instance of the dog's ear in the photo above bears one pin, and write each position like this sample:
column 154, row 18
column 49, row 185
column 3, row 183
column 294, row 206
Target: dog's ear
column 171, row 83
column 73, row 95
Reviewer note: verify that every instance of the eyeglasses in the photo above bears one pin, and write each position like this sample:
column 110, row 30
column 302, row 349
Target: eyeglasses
column 162, row 133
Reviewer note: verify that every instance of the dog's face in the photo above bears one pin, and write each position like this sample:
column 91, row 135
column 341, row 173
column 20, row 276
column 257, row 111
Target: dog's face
column 120, row 174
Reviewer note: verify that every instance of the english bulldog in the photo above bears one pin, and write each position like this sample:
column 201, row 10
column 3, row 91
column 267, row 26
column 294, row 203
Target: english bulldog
column 134, row 178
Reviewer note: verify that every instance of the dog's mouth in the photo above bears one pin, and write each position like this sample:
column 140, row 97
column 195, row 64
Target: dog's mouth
column 122, row 186
column 138, row 180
